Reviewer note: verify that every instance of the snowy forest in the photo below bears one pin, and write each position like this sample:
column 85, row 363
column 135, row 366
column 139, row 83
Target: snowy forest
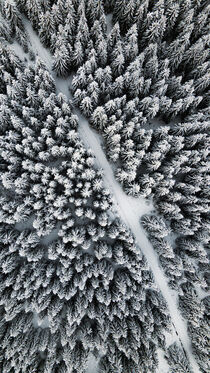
column 104, row 186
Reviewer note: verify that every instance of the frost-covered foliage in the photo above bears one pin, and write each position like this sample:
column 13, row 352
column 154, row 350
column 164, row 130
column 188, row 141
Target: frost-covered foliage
column 177, row 360
column 177, row 258
column 101, row 300
column 72, row 279
column 184, row 262
column 197, row 313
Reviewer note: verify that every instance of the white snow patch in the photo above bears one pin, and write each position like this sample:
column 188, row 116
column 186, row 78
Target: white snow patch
column 52, row 236
column 19, row 50
column 62, row 85
column 26, row 224
column 154, row 123
column 36, row 45
column 163, row 366
column 201, row 293
column 92, row 364
column 109, row 23
column 42, row 323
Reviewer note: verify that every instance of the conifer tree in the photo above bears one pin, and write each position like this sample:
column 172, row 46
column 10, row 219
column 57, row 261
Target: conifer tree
column 177, row 360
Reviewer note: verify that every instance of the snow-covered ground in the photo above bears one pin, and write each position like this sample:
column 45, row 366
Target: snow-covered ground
column 36, row 45
column 19, row 50
column 109, row 23
column 163, row 364
column 130, row 210
column 92, row 364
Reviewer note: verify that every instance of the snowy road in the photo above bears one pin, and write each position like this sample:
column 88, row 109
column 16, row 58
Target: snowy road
column 130, row 209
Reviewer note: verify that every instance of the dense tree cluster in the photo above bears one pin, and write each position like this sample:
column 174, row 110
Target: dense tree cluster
column 183, row 260
column 64, row 26
column 149, row 99
column 12, row 24
column 177, row 255
column 63, row 300
column 197, row 314
column 72, row 279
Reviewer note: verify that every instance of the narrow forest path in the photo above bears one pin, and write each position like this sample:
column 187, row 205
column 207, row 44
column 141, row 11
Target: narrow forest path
column 129, row 209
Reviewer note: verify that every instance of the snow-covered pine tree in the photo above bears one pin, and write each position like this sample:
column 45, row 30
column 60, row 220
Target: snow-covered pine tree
column 177, row 360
